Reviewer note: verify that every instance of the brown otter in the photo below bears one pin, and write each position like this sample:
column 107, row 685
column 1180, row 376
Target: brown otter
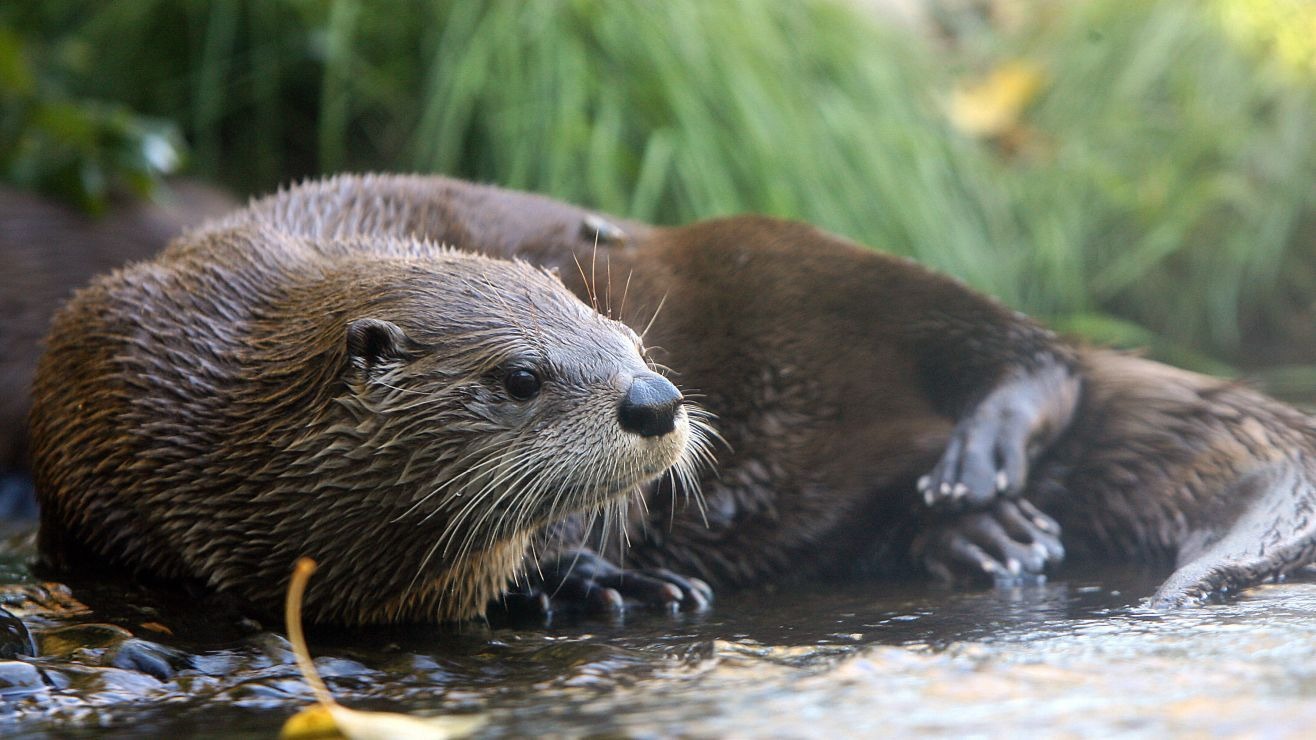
column 840, row 377
column 49, row 249
column 408, row 415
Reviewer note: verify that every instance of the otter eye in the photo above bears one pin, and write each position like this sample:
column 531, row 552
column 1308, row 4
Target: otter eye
column 522, row 384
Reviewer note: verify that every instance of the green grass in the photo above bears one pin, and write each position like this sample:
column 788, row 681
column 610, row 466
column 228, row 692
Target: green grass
column 1165, row 194
column 1184, row 171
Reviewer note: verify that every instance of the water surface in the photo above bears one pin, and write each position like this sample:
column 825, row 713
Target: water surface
column 1074, row 655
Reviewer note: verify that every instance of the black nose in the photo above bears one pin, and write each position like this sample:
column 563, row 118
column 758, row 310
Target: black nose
column 649, row 406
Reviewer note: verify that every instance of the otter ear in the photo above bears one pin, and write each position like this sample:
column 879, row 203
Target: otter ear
column 373, row 344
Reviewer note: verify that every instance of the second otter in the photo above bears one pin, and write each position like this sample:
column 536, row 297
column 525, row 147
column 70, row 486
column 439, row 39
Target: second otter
column 881, row 417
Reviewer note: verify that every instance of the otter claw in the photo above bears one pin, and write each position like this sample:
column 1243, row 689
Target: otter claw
column 1038, row 519
column 970, row 471
column 1009, row 542
column 582, row 580
column 606, row 601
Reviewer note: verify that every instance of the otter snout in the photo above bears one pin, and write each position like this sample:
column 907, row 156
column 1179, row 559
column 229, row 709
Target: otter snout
column 649, row 406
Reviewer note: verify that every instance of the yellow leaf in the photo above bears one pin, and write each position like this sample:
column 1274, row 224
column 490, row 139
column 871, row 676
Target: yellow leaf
column 993, row 106
column 338, row 721
column 329, row 719
column 311, row 723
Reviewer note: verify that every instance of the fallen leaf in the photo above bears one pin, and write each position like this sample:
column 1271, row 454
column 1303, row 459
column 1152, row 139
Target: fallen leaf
column 337, row 721
column 328, row 718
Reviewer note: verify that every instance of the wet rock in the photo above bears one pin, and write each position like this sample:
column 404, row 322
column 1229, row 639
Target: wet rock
column 15, row 640
column 18, row 678
column 81, row 638
column 275, row 648
column 330, row 667
column 150, row 658
column 107, row 685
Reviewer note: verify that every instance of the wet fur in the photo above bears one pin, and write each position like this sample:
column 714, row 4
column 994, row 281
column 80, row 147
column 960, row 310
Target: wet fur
column 250, row 397
column 1203, row 474
column 838, row 376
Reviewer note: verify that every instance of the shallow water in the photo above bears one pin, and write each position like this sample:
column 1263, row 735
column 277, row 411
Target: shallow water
column 1075, row 655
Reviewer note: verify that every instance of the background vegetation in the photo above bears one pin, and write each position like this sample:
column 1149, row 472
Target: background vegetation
column 1139, row 172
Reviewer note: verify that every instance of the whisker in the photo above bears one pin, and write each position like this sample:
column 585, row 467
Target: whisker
column 621, row 312
column 589, row 286
column 662, row 302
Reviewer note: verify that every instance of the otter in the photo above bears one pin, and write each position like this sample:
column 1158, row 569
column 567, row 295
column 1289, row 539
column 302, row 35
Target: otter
column 879, row 417
column 408, row 415
column 48, row 249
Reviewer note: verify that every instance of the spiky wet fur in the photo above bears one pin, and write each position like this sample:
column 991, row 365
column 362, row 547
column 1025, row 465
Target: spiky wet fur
column 202, row 416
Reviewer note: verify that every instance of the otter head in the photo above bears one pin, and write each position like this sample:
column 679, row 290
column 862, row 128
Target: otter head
column 484, row 401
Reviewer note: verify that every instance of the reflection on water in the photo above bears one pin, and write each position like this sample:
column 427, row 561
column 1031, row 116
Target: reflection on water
column 1072, row 656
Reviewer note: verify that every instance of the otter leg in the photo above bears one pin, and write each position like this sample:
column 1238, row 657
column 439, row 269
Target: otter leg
column 581, row 579
column 1008, row 542
column 993, row 444
column 1273, row 536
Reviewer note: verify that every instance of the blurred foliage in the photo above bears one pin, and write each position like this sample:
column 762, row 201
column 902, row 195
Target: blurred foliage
column 80, row 150
column 1179, row 170
column 1285, row 29
column 1146, row 175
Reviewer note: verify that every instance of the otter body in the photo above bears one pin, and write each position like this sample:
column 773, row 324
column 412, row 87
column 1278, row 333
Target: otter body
column 881, row 417
column 47, row 250
column 876, row 416
column 407, row 415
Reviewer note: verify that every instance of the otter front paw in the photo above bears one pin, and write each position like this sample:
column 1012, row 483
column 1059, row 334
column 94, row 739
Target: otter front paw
column 990, row 449
column 987, row 455
column 581, row 580
column 1010, row 542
